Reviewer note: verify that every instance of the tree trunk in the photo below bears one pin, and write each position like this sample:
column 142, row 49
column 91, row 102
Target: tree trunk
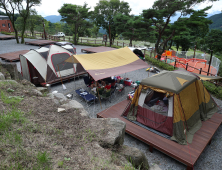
column 130, row 43
column 16, row 36
column 171, row 43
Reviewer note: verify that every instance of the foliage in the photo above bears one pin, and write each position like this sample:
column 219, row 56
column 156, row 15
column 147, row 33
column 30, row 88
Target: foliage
column 214, row 40
column 23, row 7
column 159, row 64
column 160, row 14
column 74, row 15
column 212, row 88
column 131, row 27
column 104, row 13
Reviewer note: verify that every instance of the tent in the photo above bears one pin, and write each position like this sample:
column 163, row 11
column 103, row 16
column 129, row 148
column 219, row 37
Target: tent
column 109, row 63
column 47, row 65
column 173, row 103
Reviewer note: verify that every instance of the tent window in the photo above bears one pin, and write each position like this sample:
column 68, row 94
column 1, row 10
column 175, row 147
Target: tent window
column 59, row 60
column 156, row 102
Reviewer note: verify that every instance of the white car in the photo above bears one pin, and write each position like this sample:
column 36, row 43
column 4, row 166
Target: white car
column 59, row 34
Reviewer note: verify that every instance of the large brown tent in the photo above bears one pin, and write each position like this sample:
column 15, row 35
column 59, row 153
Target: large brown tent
column 109, row 63
column 172, row 102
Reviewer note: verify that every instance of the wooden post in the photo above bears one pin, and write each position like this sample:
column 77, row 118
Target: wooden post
column 69, row 38
column 186, row 66
column 123, row 44
column 95, row 41
column 200, row 70
column 166, row 60
column 210, row 62
column 105, row 43
column 117, row 43
column 175, row 64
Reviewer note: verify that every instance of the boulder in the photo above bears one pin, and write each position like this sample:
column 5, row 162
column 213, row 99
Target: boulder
column 35, row 92
column 134, row 156
column 58, row 96
column 2, row 77
column 27, row 83
column 72, row 104
column 42, row 89
column 110, row 131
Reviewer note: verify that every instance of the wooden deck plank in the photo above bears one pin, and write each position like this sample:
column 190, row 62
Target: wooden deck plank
column 12, row 56
column 6, row 37
column 187, row 154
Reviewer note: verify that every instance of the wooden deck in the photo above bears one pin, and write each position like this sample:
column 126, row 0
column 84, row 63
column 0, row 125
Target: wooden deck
column 187, row 154
column 40, row 42
column 13, row 56
column 97, row 49
column 6, row 37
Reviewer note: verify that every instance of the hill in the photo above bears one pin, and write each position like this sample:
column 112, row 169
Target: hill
column 217, row 21
column 53, row 18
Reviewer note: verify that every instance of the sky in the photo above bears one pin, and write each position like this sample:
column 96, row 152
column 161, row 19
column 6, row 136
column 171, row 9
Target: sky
column 50, row 7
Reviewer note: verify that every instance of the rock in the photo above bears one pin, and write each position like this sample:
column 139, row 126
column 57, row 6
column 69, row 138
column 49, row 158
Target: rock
column 120, row 127
column 84, row 113
column 60, row 110
column 9, row 81
column 110, row 131
column 42, row 89
column 72, row 104
column 58, row 96
column 35, row 92
column 2, row 77
column 134, row 156
column 154, row 167
column 27, row 83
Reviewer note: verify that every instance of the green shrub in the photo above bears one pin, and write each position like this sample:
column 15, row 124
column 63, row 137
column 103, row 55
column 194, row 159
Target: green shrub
column 6, row 33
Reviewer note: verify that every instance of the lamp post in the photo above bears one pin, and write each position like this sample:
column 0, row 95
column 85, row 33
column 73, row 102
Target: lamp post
column 210, row 60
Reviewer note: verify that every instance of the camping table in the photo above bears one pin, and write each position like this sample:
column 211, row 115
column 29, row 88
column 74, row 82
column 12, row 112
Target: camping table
column 88, row 97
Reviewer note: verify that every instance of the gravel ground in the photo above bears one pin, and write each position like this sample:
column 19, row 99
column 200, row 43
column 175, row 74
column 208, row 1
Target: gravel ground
column 211, row 157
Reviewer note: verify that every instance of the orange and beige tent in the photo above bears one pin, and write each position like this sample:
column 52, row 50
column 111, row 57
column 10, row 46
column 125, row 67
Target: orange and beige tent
column 106, row 64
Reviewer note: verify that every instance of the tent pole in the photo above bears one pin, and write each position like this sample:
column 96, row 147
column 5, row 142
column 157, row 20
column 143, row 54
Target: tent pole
column 98, row 95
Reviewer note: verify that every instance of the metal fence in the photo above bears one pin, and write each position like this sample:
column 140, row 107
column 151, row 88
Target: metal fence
column 215, row 63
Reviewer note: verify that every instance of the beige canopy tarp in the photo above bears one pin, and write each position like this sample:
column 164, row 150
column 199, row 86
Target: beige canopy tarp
column 106, row 64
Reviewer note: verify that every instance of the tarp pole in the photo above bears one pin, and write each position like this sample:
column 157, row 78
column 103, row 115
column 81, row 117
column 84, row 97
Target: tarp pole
column 98, row 95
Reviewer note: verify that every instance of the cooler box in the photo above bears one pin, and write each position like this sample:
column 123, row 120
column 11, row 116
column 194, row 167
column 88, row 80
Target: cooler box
column 127, row 82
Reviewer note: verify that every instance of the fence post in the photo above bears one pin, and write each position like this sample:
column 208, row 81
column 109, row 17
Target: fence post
column 95, row 41
column 105, row 43
column 81, row 40
column 186, row 66
column 117, row 43
column 123, row 44
column 69, row 38
column 175, row 64
column 200, row 70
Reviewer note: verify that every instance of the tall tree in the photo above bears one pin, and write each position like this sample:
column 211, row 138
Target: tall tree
column 161, row 13
column 132, row 27
column 213, row 40
column 23, row 7
column 104, row 13
column 74, row 15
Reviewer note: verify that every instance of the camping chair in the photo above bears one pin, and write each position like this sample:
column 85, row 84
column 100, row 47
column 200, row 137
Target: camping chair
column 106, row 95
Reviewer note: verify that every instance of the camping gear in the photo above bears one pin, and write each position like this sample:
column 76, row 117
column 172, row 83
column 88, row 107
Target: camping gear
column 106, row 64
column 127, row 82
column 189, row 103
column 40, row 66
